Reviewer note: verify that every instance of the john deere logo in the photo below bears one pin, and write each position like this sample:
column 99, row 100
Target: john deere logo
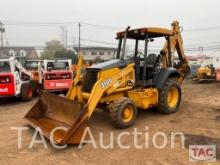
column 106, row 83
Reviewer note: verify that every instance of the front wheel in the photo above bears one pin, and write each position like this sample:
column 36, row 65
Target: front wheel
column 123, row 112
column 169, row 97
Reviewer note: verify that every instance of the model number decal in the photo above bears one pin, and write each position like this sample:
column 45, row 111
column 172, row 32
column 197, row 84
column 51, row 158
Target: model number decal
column 106, row 83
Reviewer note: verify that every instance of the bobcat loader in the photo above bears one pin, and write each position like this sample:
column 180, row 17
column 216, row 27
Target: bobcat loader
column 118, row 86
column 51, row 75
column 15, row 80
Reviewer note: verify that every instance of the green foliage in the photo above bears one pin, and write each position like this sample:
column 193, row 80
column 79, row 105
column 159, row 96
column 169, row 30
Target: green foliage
column 73, row 56
column 54, row 49
column 51, row 48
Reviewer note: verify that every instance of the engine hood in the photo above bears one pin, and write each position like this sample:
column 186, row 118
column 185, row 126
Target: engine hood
column 116, row 63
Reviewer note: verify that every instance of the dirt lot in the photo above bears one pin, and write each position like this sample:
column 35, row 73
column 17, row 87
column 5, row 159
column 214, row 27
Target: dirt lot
column 198, row 119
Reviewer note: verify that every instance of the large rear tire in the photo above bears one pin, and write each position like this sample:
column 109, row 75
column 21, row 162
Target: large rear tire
column 123, row 112
column 169, row 97
column 26, row 92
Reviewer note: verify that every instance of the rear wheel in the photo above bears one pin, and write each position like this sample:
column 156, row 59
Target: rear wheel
column 169, row 97
column 123, row 112
column 36, row 88
column 26, row 92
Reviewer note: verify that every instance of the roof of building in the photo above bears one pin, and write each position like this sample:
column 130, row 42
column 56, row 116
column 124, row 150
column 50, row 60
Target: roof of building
column 30, row 52
column 96, row 48
column 198, row 57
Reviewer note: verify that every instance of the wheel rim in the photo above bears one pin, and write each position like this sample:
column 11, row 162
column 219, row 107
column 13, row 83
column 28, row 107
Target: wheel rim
column 173, row 97
column 127, row 114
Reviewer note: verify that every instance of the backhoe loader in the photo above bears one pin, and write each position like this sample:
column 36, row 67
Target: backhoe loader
column 206, row 74
column 118, row 86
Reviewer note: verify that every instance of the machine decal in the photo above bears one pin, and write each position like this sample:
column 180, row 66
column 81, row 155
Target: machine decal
column 3, row 90
column 106, row 83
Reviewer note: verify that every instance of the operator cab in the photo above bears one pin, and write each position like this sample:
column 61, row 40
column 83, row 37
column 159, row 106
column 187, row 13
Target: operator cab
column 147, row 62
column 32, row 64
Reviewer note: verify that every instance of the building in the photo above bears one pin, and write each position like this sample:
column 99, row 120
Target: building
column 90, row 53
column 204, row 60
column 27, row 52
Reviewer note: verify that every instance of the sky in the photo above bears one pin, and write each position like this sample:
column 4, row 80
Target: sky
column 33, row 22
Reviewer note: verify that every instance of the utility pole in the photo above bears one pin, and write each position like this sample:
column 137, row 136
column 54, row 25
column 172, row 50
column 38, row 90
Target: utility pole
column 64, row 36
column 66, row 42
column 2, row 30
column 200, row 52
column 79, row 39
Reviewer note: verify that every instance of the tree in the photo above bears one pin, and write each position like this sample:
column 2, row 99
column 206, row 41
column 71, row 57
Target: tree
column 73, row 56
column 51, row 48
column 54, row 49
column 98, row 59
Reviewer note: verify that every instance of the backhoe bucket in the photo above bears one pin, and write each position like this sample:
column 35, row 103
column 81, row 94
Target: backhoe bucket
column 61, row 120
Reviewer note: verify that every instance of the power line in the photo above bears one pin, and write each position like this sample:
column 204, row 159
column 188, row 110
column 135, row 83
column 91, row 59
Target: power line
column 20, row 23
column 201, row 29
column 25, row 23
column 101, row 26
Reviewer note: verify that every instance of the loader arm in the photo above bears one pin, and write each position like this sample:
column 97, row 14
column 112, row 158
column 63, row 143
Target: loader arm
column 107, row 86
column 22, row 69
column 104, row 86
column 176, row 44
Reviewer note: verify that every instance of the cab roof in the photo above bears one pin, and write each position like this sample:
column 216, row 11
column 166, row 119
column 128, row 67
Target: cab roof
column 140, row 33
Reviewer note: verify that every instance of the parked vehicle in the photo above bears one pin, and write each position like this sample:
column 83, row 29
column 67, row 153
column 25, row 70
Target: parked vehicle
column 15, row 80
column 206, row 74
column 118, row 86
column 56, row 74
column 33, row 67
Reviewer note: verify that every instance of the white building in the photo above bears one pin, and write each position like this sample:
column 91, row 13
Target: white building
column 204, row 60
column 105, row 53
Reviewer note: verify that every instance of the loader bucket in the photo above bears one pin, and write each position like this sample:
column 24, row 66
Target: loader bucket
column 53, row 112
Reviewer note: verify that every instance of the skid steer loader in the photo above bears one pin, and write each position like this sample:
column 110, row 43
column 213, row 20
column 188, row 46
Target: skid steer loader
column 53, row 75
column 15, row 80
column 118, row 86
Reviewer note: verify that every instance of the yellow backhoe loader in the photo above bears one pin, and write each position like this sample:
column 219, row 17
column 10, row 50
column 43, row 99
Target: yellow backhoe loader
column 206, row 74
column 118, row 86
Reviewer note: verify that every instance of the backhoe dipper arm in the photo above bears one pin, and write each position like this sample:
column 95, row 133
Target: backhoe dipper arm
column 176, row 44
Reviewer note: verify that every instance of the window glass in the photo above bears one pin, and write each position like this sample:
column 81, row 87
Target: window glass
column 58, row 65
column 4, row 66
column 31, row 65
column 101, row 53
column 94, row 53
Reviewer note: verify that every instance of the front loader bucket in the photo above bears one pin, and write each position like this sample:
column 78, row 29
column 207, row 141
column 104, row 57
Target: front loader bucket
column 54, row 112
